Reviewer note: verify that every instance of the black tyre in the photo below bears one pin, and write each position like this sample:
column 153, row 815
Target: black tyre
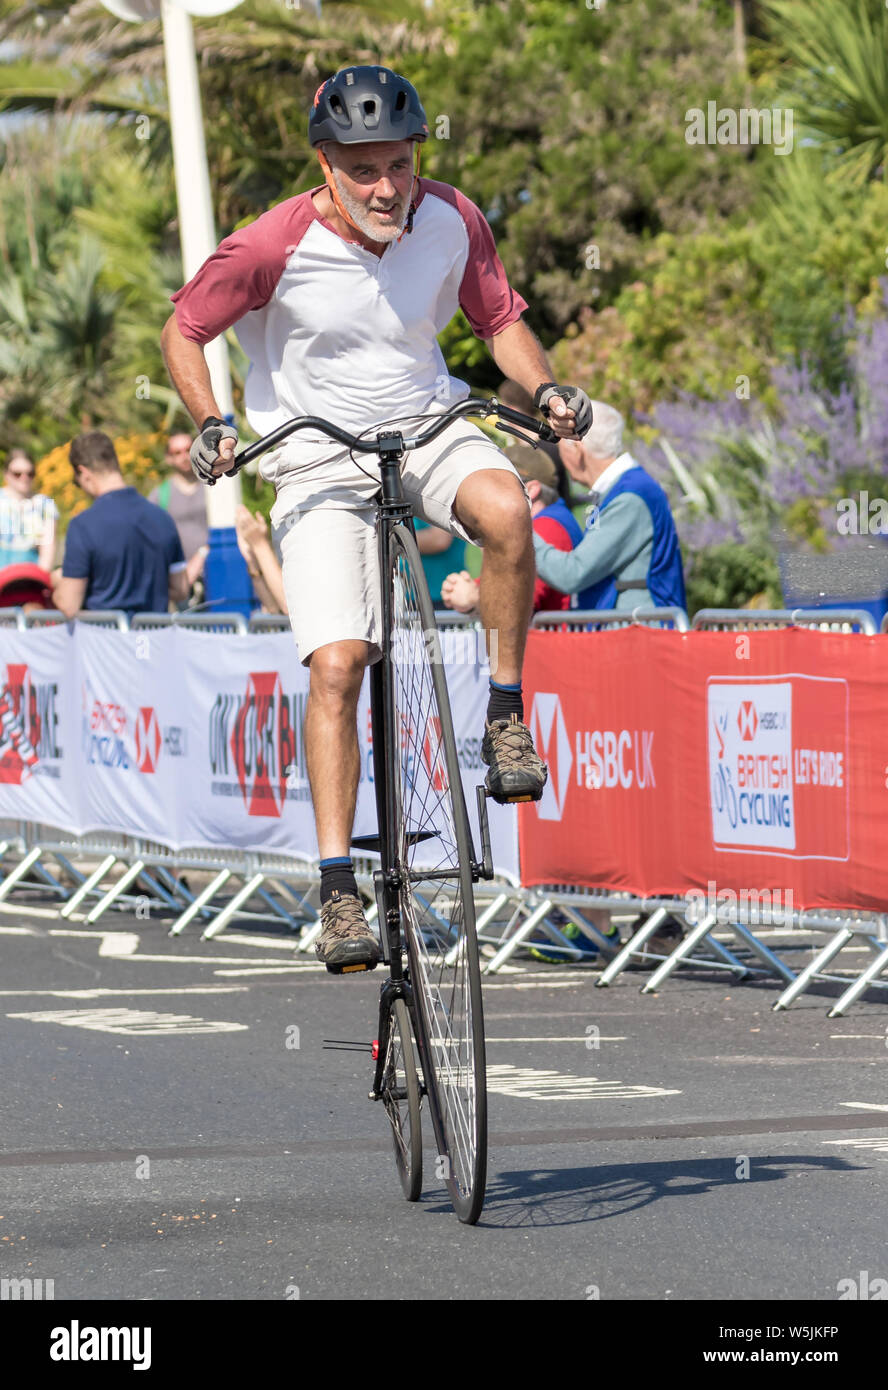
column 401, row 1098
column 434, row 857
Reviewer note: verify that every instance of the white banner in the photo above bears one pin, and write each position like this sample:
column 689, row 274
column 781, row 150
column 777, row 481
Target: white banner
column 245, row 766
column 195, row 739
column 40, row 774
column 133, row 731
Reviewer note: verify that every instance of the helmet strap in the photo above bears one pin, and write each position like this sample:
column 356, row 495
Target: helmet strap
column 337, row 201
column 408, row 225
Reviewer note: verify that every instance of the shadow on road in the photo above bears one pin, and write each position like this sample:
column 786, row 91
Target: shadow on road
column 568, row 1196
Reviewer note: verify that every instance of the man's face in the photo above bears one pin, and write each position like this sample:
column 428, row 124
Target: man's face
column 374, row 182
column 178, row 455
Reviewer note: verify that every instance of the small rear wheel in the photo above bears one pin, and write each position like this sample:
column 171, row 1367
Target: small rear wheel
column 401, row 1098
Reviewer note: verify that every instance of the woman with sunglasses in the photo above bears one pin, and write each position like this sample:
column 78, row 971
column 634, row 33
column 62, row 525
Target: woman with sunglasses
column 27, row 522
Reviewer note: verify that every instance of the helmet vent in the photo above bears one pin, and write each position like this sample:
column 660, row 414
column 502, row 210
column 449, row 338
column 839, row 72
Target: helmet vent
column 370, row 106
column 336, row 104
column 400, row 101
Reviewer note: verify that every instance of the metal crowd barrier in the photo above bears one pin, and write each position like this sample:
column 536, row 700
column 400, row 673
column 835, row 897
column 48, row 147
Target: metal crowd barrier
column 826, row 619
column 700, row 946
column 509, row 915
column 599, row 619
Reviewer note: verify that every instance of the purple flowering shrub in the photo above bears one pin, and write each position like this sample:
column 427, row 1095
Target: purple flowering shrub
column 798, row 474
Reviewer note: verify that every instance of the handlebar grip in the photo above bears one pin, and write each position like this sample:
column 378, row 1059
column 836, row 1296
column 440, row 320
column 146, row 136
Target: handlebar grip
column 517, row 417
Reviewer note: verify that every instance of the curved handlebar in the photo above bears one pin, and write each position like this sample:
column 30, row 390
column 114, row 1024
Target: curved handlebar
column 371, row 446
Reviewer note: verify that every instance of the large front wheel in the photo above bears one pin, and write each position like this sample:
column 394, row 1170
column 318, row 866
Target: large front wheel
column 434, row 859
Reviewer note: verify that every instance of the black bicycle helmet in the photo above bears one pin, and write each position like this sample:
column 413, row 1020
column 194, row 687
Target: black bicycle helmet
column 364, row 104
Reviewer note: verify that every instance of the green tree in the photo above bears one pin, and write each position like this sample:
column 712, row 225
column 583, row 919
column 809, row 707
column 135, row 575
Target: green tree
column 836, row 77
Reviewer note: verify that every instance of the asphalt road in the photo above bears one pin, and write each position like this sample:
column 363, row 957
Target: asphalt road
column 174, row 1128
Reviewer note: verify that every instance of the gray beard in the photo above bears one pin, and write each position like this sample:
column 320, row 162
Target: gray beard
column 359, row 216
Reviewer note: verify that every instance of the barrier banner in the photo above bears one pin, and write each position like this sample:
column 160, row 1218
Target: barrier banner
column 133, row 731
column 245, row 781
column 39, row 729
column 195, row 738
column 711, row 764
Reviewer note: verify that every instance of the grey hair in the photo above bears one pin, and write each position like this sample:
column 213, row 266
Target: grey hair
column 604, row 439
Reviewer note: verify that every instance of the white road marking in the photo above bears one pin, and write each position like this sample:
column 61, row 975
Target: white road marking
column 879, row 1036
column 275, row 969
column 879, row 1145
column 131, row 1022
column 268, row 942
column 532, row 1084
column 21, row 910
column 104, row 993
column 572, row 1039
column 197, row 960
column 861, row 1105
column 18, row 931
column 119, row 943
column 536, row 984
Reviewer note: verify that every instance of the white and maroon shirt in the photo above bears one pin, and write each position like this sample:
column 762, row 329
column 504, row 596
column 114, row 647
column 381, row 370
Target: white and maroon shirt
column 333, row 330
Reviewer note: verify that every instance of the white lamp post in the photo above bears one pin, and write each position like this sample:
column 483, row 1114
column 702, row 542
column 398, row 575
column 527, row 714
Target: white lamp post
column 225, row 570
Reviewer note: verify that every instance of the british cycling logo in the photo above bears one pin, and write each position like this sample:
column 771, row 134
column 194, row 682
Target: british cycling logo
column 551, row 741
column 110, row 738
column 257, row 737
column 750, row 764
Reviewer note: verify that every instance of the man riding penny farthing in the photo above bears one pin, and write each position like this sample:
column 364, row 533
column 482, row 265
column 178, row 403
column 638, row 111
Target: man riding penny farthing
column 337, row 296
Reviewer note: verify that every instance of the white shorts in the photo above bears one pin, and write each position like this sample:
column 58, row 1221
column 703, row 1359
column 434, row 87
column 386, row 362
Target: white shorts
column 325, row 519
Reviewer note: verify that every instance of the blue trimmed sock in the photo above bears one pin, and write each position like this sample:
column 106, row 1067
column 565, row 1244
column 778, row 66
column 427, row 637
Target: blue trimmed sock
column 337, row 874
column 505, row 700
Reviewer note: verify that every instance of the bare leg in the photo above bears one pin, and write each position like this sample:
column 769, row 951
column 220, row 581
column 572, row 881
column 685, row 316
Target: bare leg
column 492, row 506
column 331, row 741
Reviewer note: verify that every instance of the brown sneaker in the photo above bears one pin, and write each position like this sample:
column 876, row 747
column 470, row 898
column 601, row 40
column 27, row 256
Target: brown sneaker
column 517, row 772
column 346, row 942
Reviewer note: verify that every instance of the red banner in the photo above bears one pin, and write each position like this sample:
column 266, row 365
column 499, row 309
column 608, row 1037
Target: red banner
column 681, row 761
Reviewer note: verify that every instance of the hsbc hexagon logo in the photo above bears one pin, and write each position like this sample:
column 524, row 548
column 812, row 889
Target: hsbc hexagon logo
column 551, row 741
column 148, row 739
column 747, row 720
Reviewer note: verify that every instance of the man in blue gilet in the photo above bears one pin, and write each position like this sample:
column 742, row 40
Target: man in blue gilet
column 629, row 556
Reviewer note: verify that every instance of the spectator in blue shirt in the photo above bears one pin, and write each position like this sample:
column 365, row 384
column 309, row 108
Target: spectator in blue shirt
column 629, row 556
column 124, row 552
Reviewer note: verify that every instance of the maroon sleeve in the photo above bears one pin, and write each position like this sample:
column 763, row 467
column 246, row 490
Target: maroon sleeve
column 485, row 295
column 242, row 272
